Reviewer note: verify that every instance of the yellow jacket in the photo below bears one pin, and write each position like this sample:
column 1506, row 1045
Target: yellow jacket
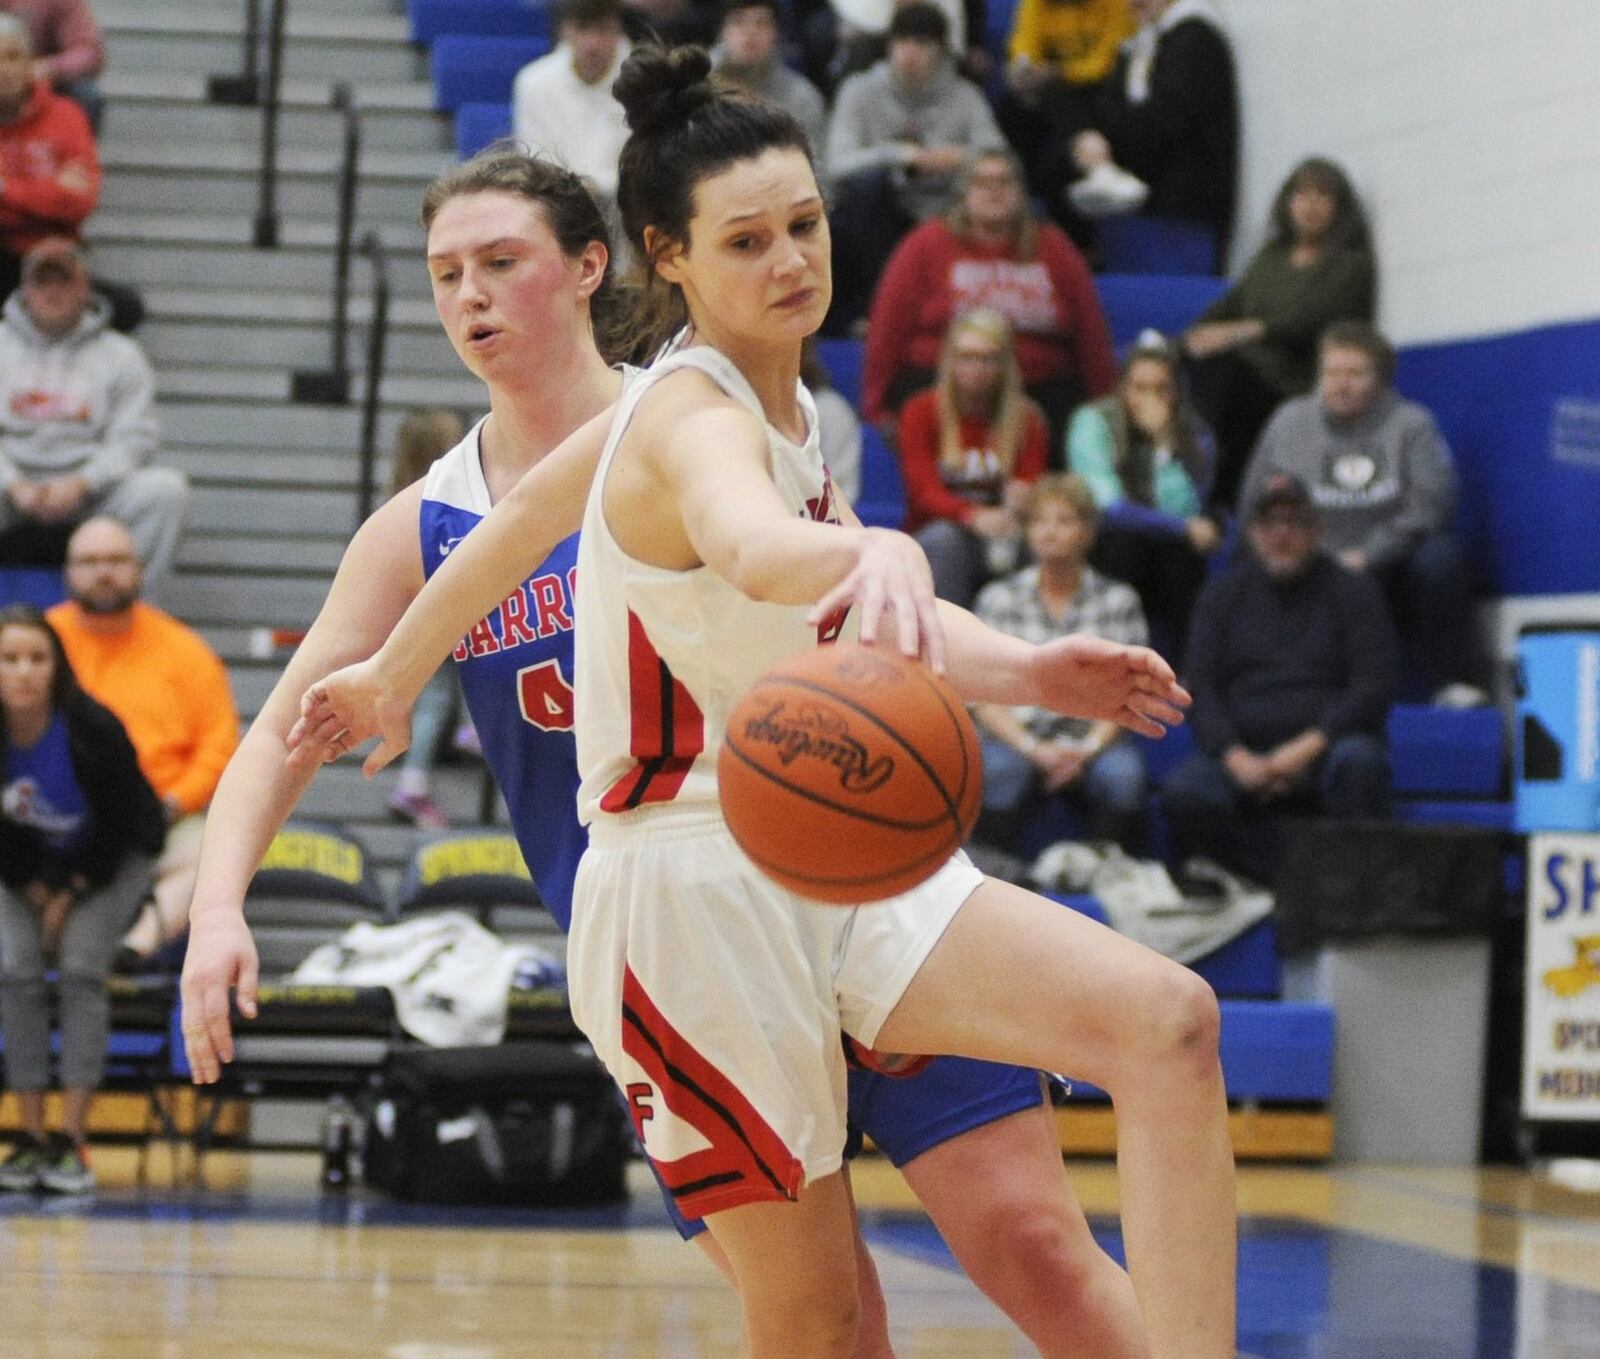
column 1078, row 38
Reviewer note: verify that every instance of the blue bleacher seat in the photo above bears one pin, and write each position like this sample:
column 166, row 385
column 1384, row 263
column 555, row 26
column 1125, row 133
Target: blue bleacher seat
column 843, row 359
column 477, row 125
column 1168, row 303
column 1154, row 245
column 434, row 19
column 41, row 586
column 1434, row 812
column 469, row 70
column 882, row 503
column 1447, row 752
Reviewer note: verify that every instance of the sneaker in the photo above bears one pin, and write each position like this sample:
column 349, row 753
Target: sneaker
column 1461, row 695
column 466, row 741
column 19, row 1172
column 419, row 809
column 66, row 1169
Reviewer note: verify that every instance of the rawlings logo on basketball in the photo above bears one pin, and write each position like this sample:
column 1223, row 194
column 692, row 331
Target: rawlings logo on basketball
column 813, row 734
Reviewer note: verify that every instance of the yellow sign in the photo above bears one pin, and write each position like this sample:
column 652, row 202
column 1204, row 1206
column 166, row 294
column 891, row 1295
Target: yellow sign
column 1575, row 980
column 305, row 851
column 490, row 855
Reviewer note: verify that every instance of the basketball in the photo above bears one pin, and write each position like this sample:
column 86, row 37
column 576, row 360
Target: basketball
column 850, row 773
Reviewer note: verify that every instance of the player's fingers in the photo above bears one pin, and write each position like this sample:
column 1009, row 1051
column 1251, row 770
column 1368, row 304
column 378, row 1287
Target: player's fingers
column 871, row 604
column 245, row 990
column 841, row 596
column 1154, row 664
column 387, row 749
column 1138, row 722
column 1156, row 709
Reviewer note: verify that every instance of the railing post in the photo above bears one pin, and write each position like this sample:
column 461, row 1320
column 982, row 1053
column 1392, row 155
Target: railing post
column 331, row 386
column 266, row 227
column 243, row 88
column 377, row 343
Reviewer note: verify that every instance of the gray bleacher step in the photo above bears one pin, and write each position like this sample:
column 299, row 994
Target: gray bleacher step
column 403, row 242
column 298, row 514
column 204, row 550
column 151, row 177
column 188, row 264
column 200, row 597
column 283, row 343
column 319, row 44
column 270, row 385
column 225, row 466
column 340, row 793
column 322, row 428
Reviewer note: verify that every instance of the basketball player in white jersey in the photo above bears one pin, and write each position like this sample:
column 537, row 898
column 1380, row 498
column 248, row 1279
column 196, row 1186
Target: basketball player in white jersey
column 517, row 252
column 711, row 994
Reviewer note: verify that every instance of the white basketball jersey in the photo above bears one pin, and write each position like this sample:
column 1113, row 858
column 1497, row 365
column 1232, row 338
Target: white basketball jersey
column 663, row 656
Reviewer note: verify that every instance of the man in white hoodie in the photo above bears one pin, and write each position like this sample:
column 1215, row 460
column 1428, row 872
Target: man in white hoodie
column 562, row 105
column 77, row 413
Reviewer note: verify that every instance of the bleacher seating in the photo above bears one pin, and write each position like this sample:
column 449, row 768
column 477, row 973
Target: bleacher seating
column 1449, row 766
column 1152, row 245
column 434, row 19
column 471, row 69
column 1170, row 303
column 41, row 586
column 479, row 125
column 882, row 503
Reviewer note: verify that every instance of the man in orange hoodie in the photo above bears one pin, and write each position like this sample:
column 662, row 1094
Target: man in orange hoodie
column 49, row 168
column 170, row 691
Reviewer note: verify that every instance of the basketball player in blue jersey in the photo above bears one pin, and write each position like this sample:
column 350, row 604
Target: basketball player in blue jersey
column 518, row 259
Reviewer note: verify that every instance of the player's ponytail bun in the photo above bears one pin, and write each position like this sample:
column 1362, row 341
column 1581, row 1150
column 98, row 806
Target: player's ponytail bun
column 686, row 126
column 662, row 88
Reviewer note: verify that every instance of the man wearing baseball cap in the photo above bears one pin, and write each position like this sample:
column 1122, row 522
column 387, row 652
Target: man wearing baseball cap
column 1291, row 664
column 77, row 413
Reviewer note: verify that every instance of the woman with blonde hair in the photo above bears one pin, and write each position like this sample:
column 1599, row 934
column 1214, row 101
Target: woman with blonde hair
column 990, row 250
column 969, row 448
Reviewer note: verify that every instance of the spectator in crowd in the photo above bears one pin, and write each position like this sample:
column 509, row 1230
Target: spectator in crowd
column 670, row 22
column 77, row 414
column 1291, row 664
column 1147, row 457
column 68, row 52
column 838, row 429
column 49, row 168
column 900, row 133
column 1384, row 486
column 747, row 54
column 562, row 106
column 969, row 447
column 1168, row 117
column 79, row 827
column 989, row 251
column 423, row 438
column 840, row 38
column 1032, row 752
column 170, row 692
column 1256, row 346
column 1059, row 51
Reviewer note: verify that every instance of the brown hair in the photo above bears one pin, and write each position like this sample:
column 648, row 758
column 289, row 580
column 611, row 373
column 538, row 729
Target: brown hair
column 1008, row 425
column 569, row 208
column 685, row 126
column 63, row 683
column 423, row 438
column 1348, row 231
column 1131, row 451
column 1366, row 338
column 1024, row 230
column 1067, row 486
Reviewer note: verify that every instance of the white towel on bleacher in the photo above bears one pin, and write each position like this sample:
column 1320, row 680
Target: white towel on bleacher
column 450, row 977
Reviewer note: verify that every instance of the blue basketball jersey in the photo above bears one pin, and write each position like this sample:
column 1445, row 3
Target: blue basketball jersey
column 516, row 673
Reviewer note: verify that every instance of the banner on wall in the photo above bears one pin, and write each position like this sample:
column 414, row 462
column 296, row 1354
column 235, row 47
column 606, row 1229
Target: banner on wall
column 1561, row 1036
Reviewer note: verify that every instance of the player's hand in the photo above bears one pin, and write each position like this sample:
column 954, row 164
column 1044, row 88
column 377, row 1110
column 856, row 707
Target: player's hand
column 347, row 708
column 221, row 957
column 1107, row 682
column 892, row 587
column 1060, row 765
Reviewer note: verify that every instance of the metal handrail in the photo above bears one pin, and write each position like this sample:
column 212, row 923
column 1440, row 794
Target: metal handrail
column 377, row 344
column 244, row 87
column 331, row 386
column 259, row 84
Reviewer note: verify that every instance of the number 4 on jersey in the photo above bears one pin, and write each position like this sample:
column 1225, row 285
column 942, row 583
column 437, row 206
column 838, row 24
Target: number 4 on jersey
column 545, row 696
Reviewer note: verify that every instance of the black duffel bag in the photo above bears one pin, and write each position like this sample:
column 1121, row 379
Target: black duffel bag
column 534, row 1123
column 1350, row 879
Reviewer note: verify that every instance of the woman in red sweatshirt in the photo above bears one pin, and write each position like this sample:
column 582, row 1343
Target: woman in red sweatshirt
column 970, row 446
column 990, row 252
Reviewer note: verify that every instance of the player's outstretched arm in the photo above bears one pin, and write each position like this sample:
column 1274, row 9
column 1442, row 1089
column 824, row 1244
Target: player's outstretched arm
column 1077, row 675
column 380, row 574
column 374, row 698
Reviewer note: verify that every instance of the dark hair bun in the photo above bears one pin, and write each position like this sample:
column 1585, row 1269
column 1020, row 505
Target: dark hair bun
column 661, row 88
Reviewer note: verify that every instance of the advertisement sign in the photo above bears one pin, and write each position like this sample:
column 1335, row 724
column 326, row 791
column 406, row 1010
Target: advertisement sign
column 1561, row 1039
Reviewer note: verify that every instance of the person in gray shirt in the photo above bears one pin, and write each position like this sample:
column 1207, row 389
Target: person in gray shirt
column 901, row 132
column 1384, row 487
column 747, row 54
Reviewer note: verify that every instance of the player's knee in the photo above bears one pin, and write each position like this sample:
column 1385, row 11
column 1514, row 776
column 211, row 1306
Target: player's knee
column 827, row 1318
column 1032, row 1253
column 1183, row 1023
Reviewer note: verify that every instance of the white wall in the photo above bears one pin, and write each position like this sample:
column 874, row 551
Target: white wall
column 1471, row 129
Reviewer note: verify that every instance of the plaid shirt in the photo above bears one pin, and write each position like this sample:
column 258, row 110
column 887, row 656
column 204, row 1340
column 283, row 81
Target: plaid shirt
column 1102, row 608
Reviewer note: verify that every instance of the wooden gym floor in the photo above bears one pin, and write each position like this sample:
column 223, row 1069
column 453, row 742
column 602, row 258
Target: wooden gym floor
column 1342, row 1263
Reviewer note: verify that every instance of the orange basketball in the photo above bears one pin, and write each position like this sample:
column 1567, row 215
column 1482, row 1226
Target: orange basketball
column 850, row 773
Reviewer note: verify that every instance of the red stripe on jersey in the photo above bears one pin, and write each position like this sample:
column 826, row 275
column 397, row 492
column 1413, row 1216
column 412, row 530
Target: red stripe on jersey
column 668, row 730
column 747, row 1162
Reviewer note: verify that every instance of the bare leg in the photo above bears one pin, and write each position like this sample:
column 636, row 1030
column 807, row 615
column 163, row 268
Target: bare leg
column 1019, row 979
column 872, row 1335
column 1000, row 1197
column 32, row 1106
column 795, row 1264
column 75, row 1115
